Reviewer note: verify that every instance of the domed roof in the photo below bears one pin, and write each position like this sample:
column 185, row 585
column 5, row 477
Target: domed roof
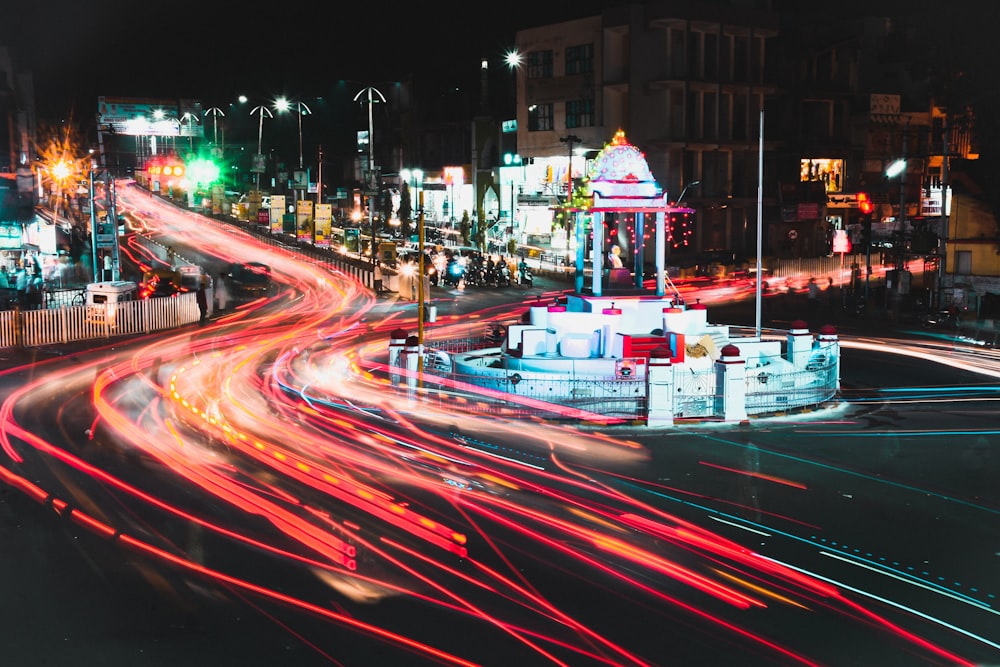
column 620, row 161
column 619, row 179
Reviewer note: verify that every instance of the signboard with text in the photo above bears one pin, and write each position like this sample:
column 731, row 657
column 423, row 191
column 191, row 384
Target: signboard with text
column 135, row 116
column 277, row 211
column 304, row 220
column 324, row 221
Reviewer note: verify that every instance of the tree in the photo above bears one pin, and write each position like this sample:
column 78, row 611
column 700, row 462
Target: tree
column 386, row 208
column 405, row 211
column 465, row 228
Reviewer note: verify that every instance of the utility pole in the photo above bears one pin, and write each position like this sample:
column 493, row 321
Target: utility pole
column 571, row 140
column 319, row 177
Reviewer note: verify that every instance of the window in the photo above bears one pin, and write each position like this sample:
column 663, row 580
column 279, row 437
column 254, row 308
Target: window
column 709, row 116
column 539, row 65
column 678, row 53
column 580, row 59
column 694, row 62
column 539, row 117
column 741, row 118
column 676, row 114
column 711, row 56
column 741, row 59
column 963, row 262
column 580, row 113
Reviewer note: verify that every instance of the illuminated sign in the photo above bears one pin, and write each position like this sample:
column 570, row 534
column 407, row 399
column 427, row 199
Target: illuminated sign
column 148, row 117
column 829, row 171
column 454, row 175
column 841, row 243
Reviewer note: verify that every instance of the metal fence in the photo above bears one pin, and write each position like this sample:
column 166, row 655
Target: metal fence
column 696, row 392
column 359, row 268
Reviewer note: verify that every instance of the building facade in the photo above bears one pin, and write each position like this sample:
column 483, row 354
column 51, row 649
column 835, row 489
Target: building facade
column 712, row 92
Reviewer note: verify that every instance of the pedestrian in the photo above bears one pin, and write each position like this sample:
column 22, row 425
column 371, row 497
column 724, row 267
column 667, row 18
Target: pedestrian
column 222, row 293
column 31, row 293
column 813, row 293
column 202, row 300
column 21, row 283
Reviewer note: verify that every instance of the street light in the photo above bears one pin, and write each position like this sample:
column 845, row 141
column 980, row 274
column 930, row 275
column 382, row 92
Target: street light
column 190, row 118
column 896, row 168
column 260, row 111
column 684, row 191
column 370, row 96
column 215, row 112
column 283, row 105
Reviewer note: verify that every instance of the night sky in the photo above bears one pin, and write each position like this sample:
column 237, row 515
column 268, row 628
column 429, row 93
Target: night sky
column 214, row 51
column 78, row 50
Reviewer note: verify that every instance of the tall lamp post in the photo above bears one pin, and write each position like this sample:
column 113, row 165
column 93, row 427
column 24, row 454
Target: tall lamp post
column 258, row 167
column 370, row 96
column 215, row 112
column 191, row 119
column 898, row 168
column 302, row 109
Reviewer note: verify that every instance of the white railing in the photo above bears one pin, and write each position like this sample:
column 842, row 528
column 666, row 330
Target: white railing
column 35, row 328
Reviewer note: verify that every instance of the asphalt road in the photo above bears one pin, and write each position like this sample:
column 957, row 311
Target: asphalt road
column 886, row 496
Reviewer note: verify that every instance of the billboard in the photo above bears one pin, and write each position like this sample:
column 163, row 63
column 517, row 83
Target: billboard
column 135, row 116
column 324, row 222
column 304, row 219
column 277, row 214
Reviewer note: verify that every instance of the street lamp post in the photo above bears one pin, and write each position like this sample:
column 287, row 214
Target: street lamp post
column 260, row 111
column 684, row 191
column 570, row 140
column 190, row 118
column 215, row 112
column 898, row 168
column 370, row 96
column 282, row 105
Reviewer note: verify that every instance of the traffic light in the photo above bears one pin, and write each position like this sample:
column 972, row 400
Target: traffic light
column 866, row 207
column 865, row 204
column 511, row 159
column 203, row 171
column 165, row 170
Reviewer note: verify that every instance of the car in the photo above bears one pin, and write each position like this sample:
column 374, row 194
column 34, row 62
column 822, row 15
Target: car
column 248, row 280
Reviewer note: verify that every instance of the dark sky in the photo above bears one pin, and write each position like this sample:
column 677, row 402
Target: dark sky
column 80, row 49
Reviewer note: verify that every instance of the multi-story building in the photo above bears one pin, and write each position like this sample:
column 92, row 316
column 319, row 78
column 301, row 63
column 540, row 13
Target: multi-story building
column 17, row 104
column 686, row 81
column 701, row 87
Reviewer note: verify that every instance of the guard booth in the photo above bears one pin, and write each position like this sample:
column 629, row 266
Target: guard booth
column 103, row 300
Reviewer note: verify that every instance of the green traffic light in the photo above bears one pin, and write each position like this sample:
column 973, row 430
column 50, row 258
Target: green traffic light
column 203, row 171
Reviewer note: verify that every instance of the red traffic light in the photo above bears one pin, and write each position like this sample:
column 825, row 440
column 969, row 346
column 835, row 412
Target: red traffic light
column 865, row 204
